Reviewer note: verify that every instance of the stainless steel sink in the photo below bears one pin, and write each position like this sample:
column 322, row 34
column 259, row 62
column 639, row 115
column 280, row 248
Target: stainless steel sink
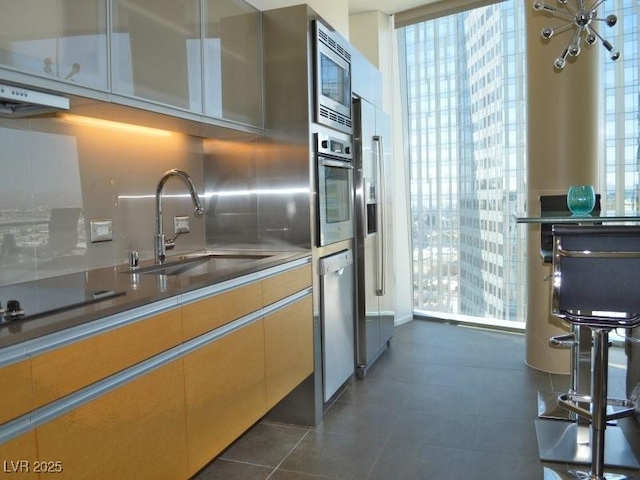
column 199, row 264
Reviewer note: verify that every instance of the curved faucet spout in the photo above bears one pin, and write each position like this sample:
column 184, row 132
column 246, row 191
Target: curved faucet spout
column 160, row 243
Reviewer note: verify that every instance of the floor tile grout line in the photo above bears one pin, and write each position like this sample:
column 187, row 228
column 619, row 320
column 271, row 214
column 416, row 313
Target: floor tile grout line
column 289, row 453
column 243, row 462
column 386, row 442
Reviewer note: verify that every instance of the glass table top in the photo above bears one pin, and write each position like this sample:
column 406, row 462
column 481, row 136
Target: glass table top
column 567, row 217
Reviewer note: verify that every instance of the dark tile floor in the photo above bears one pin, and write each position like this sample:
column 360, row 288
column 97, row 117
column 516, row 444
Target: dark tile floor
column 444, row 402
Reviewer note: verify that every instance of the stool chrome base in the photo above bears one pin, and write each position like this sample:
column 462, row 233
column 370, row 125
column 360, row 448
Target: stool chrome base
column 569, row 443
column 557, row 474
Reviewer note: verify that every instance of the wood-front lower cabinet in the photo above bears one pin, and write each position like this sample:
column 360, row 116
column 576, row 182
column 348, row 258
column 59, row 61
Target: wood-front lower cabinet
column 19, row 458
column 225, row 391
column 17, row 394
column 213, row 312
column 136, row 431
column 288, row 348
column 64, row 370
column 279, row 286
column 160, row 397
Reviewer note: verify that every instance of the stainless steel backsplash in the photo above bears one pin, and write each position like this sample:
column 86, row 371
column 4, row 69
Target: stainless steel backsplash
column 257, row 195
column 85, row 172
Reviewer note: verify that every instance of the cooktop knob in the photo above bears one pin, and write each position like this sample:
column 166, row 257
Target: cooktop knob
column 13, row 305
column 13, row 309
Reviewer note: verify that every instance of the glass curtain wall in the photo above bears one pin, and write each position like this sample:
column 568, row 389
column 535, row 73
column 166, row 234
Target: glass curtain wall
column 621, row 169
column 464, row 86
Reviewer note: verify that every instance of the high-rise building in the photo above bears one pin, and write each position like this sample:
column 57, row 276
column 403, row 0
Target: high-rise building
column 465, row 90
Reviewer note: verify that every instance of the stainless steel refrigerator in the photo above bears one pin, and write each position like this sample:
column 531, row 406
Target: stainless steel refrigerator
column 373, row 179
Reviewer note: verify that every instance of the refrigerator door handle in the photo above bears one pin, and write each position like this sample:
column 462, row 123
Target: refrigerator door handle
column 380, row 243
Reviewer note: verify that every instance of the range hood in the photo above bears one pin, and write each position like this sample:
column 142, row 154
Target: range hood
column 17, row 102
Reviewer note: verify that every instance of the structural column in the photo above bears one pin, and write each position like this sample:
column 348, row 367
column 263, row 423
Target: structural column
column 564, row 146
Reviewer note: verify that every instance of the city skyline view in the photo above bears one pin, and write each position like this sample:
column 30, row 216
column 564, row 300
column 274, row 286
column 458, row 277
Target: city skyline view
column 465, row 85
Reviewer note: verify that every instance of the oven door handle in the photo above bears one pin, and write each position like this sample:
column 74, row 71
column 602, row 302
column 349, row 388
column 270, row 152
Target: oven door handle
column 327, row 162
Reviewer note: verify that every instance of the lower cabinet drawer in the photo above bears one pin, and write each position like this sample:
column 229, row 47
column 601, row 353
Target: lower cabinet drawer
column 16, row 398
column 288, row 348
column 225, row 391
column 205, row 315
column 19, row 458
column 135, row 431
column 287, row 283
column 62, row 371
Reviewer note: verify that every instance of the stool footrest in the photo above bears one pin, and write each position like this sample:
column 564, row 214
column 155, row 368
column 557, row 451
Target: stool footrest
column 570, row 402
column 566, row 340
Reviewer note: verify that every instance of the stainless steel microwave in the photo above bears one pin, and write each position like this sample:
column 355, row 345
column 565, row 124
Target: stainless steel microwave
column 332, row 79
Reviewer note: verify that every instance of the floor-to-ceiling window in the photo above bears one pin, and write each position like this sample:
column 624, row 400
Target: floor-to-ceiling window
column 464, row 84
column 621, row 169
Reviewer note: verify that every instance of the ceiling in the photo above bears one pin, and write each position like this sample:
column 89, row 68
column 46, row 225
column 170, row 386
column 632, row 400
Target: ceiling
column 385, row 6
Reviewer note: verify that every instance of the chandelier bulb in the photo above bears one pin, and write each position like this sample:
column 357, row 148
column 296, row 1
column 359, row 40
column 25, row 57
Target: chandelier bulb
column 538, row 6
column 612, row 20
column 615, row 55
column 559, row 63
column 590, row 39
column 574, row 50
column 547, row 32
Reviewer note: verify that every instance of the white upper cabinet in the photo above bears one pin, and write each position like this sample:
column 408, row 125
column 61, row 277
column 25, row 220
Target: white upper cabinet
column 232, row 61
column 155, row 49
column 65, row 40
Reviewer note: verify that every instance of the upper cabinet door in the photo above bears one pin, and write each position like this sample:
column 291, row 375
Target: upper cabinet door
column 156, row 51
column 61, row 39
column 232, row 61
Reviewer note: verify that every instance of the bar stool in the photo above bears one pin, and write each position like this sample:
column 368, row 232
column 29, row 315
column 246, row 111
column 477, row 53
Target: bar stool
column 594, row 285
column 555, row 203
column 577, row 340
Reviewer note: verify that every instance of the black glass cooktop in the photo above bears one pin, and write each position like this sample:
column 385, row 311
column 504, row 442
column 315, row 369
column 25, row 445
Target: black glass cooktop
column 35, row 300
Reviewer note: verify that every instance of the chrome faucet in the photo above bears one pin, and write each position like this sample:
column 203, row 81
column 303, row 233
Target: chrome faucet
column 162, row 245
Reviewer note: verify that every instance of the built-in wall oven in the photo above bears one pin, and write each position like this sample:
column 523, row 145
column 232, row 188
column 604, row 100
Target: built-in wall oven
column 332, row 79
column 334, row 173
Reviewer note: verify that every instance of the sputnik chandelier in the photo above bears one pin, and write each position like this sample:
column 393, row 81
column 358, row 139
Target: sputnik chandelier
column 581, row 18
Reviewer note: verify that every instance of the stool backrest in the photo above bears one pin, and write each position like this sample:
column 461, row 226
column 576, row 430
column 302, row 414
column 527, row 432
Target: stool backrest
column 596, row 267
column 555, row 203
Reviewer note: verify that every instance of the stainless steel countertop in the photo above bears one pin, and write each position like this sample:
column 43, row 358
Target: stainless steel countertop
column 140, row 290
